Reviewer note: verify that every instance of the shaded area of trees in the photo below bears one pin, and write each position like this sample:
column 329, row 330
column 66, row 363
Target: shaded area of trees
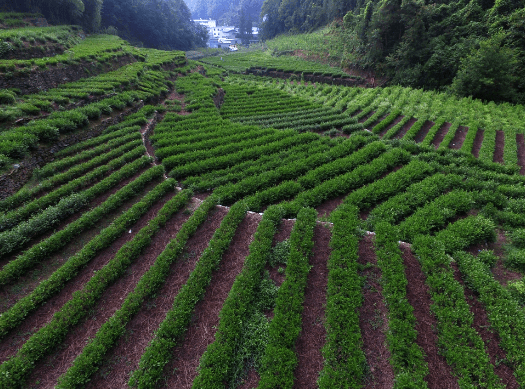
column 162, row 24
column 471, row 47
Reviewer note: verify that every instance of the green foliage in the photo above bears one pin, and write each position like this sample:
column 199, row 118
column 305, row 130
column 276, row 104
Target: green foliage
column 488, row 73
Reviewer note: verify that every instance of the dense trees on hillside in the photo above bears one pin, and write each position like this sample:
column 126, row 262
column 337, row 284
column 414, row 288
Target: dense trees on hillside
column 164, row 24
column 474, row 47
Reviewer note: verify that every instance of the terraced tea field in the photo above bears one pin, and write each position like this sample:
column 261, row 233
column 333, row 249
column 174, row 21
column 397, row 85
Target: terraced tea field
column 166, row 224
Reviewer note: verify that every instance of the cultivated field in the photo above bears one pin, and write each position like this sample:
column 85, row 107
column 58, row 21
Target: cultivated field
column 181, row 224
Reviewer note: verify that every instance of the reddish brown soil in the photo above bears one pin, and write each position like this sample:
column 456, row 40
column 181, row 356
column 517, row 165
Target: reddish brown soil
column 378, row 121
column 491, row 339
column 111, row 301
column 521, row 152
column 251, row 381
column 313, row 334
column 93, row 204
column 139, row 330
column 205, row 320
column 365, row 118
column 44, row 313
column 146, row 131
column 500, row 143
column 423, row 131
column 499, row 271
column 396, row 121
column 373, row 321
column 440, row 135
column 326, row 208
column 9, row 295
column 440, row 373
column 478, row 140
column 459, row 138
column 401, row 133
column 283, row 232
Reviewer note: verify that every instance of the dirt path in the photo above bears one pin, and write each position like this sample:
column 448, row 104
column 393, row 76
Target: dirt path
column 478, row 140
column 491, row 339
column 107, row 305
column 440, row 373
column 42, row 315
column 401, row 133
column 140, row 329
column 440, row 135
column 521, row 152
column 181, row 372
column 313, row 334
column 459, row 138
column 373, row 321
column 422, row 133
column 396, row 121
column 500, row 144
column 326, row 208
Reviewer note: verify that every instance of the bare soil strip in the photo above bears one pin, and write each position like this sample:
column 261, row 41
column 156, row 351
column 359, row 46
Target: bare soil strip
column 491, row 339
column 373, row 321
column 9, row 295
column 500, row 143
column 93, row 204
column 459, row 138
column 181, row 372
column 326, row 208
column 401, row 133
column 521, row 152
column 365, row 118
column 423, row 131
column 440, row 373
column 37, row 319
column 396, row 120
column 313, row 334
column 440, row 135
column 478, row 140
column 109, row 303
column 140, row 329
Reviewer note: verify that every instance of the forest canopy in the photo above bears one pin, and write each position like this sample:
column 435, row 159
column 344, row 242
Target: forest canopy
column 161, row 24
column 470, row 47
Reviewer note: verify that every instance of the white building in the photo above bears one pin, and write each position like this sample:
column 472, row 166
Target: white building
column 208, row 23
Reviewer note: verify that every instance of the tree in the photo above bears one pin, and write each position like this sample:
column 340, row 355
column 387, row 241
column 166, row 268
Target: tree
column 487, row 72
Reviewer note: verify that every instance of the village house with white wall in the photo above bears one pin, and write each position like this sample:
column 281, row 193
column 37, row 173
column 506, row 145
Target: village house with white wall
column 224, row 36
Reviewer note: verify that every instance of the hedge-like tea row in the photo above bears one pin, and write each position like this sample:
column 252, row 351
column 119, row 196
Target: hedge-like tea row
column 436, row 213
column 488, row 146
column 344, row 183
column 15, row 238
column 416, row 127
column 344, row 359
column 459, row 343
column 432, row 132
column 279, row 358
column 251, row 153
column 210, row 145
column 15, row 371
column 342, row 165
column 96, row 141
column 395, row 182
column 293, row 169
column 416, row 195
column 450, row 134
column 395, row 129
column 171, row 330
column 89, row 360
column 214, row 368
column 466, row 232
column 172, row 161
column 64, row 163
column 407, row 357
column 47, row 288
column 72, row 185
column 383, row 123
column 375, row 117
column 468, row 143
column 505, row 315
column 238, row 172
